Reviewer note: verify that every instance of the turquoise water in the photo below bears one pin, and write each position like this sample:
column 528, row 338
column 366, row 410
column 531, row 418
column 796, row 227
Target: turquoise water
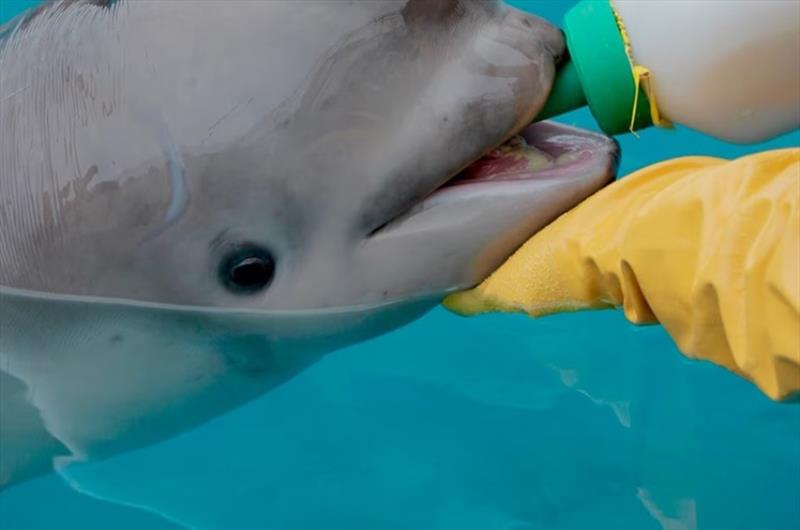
column 570, row 422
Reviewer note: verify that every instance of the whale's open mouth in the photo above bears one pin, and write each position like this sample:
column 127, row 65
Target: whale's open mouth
column 543, row 158
column 462, row 230
column 545, row 150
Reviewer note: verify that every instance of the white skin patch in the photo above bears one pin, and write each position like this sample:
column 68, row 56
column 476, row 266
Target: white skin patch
column 179, row 190
column 177, row 179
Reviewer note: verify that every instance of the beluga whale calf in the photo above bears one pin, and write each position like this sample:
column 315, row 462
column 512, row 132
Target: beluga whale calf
column 198, row 199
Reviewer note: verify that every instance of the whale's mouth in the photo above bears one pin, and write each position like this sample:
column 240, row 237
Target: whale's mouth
column 544, row 156
column 462, row 230
column 545, row 150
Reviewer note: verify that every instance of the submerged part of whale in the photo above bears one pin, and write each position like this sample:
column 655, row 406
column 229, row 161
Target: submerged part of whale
column 198, row 199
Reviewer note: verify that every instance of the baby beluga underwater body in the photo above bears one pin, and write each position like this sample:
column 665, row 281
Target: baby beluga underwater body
column 197, row 201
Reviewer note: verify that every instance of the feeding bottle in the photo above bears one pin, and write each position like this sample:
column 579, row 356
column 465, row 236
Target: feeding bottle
column 727, row 69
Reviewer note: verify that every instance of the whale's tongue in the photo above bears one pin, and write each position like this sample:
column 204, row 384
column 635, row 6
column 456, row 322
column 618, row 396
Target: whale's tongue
column 514, row 160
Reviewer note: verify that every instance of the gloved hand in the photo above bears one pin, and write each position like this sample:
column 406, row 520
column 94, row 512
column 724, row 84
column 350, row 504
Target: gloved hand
column 707, row 247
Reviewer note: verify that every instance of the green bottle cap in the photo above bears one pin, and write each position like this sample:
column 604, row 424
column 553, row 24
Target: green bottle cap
column 598, row 72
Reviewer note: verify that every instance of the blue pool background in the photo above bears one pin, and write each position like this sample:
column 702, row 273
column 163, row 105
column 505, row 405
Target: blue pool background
column 569, row 422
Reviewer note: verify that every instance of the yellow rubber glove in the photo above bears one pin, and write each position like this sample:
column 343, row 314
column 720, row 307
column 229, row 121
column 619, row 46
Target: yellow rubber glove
column 709, row 248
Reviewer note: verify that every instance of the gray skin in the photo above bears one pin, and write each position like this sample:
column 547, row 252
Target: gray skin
column 144, row 142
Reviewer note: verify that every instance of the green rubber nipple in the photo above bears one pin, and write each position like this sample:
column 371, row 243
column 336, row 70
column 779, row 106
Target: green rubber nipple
column 598, row 73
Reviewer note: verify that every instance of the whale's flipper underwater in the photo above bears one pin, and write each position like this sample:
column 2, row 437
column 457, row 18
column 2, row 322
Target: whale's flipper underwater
column 198, row 199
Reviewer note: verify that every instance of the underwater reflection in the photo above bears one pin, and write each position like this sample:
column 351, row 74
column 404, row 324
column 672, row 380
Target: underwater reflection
column 574, row 422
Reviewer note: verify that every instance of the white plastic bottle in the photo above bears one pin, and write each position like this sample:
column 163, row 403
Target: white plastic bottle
column 730, row 69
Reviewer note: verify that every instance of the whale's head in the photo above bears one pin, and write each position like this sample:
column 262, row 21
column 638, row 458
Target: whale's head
column 191, row 190
column 283, row 155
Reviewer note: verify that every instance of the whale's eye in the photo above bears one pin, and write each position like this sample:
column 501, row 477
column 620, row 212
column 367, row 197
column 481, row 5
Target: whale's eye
column 247, row 269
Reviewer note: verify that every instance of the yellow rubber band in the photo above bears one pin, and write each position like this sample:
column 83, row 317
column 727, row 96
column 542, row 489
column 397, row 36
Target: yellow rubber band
column 641, row 77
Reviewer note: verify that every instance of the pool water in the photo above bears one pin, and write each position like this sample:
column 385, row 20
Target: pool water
column 577, row 421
